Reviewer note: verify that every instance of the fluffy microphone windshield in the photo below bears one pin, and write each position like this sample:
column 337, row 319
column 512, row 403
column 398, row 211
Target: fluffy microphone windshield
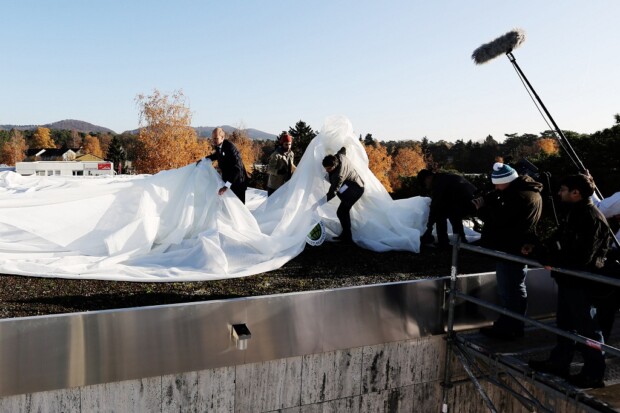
column 502, row 45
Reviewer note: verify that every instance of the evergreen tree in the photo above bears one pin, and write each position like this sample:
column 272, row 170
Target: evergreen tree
column 302, row 135
column 116, row 154
column 369, row 140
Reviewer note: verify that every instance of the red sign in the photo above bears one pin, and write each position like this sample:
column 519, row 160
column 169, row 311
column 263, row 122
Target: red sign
column 104, row 166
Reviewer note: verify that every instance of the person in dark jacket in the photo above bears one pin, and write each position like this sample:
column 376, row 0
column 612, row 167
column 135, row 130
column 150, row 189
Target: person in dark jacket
column 345, row 183
column 230, row 163
column 510, row 214
column 451, row 197
column 580, row 243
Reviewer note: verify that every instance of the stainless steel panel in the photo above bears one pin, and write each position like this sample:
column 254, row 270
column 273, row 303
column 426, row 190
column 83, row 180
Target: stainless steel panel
column 61, row 351
column 541, row 290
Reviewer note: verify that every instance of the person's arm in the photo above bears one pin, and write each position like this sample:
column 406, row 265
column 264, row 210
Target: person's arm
column 274, row 164
column 592, row 235
column 342, row 151
column 336, row 180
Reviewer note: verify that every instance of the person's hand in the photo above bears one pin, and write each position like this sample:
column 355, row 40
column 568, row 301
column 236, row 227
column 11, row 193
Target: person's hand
column 478, row 202
column 222, row 190
column 547, row 267
column 527, row 249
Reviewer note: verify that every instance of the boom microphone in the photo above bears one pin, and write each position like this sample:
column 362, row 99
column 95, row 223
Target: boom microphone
column 502, row 45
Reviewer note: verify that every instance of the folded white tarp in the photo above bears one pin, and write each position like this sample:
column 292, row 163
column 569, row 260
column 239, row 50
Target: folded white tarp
column 173, row 226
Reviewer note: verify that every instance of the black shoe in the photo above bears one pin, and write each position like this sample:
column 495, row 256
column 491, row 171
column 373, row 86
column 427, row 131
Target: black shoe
column 503, row 334
column 546, row 366
column 584, row 382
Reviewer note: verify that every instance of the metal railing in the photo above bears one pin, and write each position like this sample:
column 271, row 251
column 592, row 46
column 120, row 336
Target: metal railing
column 454, row 293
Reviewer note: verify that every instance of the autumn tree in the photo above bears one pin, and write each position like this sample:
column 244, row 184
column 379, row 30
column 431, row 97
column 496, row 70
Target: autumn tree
column 104, row 141
column 246, row 148
column 548, row 146
column 92, row 146
column 166, row 139
column 42, row 139
column 379, row 163
column 14, row 149
column 406, row 163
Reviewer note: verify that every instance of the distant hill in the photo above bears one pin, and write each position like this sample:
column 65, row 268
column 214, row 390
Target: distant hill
column 85, row 127
column 67, row 124
column 205, row 132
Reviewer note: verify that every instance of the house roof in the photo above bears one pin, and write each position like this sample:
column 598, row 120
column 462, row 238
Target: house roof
column 88, row 157
column 50, row 152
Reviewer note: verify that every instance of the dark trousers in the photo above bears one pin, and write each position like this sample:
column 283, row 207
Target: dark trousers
column 347, row 199
column 512, row 293
column 270, row 191
column 239, row 190
column 455, row 215
column 576, row 314
column 442, row 228
column 607, row 303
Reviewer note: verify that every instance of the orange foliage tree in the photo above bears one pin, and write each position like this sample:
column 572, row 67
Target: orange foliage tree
column 104, row 142
column 407, row 162
column 166, row 139
column 379, row 163
column 246, row 148
column 42, row 139
column 13, row 150
column 92, row 146
column 548, row 146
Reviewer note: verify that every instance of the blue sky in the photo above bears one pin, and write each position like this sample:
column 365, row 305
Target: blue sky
column 396, row 69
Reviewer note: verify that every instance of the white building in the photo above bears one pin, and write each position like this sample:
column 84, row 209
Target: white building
column 65, row 168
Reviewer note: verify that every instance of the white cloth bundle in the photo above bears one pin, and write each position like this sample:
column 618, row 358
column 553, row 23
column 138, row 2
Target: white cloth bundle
column 173, row 226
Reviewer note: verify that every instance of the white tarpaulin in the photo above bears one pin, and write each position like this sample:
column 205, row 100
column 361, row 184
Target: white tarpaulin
column 173, row 226
column 610, row 207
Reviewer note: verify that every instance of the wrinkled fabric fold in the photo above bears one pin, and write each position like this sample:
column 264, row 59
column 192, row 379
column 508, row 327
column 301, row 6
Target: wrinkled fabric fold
column 173, row 226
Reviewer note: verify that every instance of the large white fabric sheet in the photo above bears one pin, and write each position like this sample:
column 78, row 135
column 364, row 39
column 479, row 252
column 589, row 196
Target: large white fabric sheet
column 173, row 226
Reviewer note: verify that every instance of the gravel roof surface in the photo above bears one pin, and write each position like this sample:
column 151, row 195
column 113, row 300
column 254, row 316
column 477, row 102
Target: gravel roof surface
column 331, row 265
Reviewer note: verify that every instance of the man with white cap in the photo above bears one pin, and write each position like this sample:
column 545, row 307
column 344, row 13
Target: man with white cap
column 510, row 214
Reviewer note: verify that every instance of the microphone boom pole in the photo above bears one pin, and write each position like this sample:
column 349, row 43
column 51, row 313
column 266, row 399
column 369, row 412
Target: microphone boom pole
column 505, row 45
column 561, row 137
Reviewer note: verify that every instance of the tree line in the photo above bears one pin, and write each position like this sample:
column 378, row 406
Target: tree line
column 166, row 140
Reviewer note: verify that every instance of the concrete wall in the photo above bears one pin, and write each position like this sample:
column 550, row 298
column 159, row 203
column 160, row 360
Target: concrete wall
column 400, row 376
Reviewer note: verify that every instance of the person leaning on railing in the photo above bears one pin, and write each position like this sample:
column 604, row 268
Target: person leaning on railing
column 581, row 243
column 510, row 214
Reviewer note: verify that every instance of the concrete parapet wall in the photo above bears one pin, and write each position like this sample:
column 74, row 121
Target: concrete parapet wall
column 361, row 349
column 399, row 376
